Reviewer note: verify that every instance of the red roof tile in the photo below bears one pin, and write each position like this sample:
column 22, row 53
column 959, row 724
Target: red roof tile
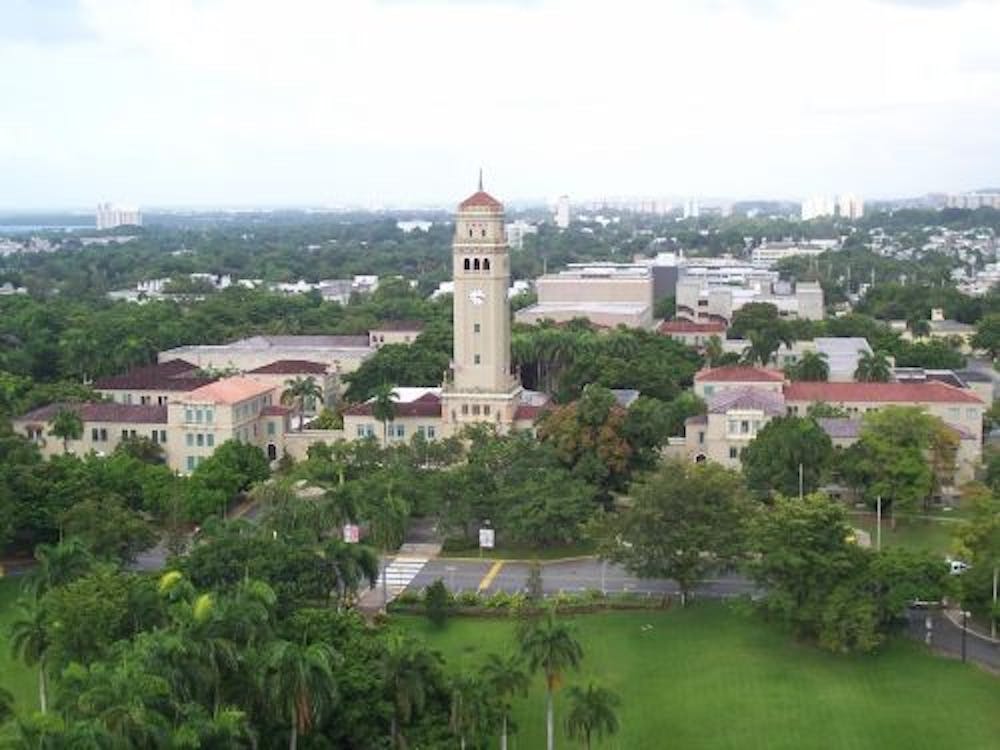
column 736, row 374
column 686, row 326
column 428, row 405
column 275, row 410
column 480, row 199
column 291, row 367
column 102, row 411
column 175, row 375
column 916, row 393
column 524, row 412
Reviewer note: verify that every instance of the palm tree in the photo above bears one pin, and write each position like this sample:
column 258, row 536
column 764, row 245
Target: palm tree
column 762, row 348
column 591, row 713
column 58, row 564
column 29, row 641
column 873, row 368
column 68, row 426
column 812, row 367
column 384, row 408
column 507, row 678
column 407, row 669
column 349, row 565
column 297, row 391
column 472, row 710
column 714, row 351
column 549, row 645
column 301, row 683
column 126, row 699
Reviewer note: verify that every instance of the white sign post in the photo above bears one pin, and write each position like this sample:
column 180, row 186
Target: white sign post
column 487, row 537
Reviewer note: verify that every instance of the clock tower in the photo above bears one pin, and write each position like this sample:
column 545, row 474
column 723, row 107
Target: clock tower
column 481, row 387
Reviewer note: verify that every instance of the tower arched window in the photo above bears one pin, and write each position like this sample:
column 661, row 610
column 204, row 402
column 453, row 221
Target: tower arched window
column 483, row 232
column 470, row 231
column 486, row 264
column 468, row 265
column 475, row 264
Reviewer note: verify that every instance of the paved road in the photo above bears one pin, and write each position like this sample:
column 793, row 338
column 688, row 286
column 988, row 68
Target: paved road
column 946, row 638
column 580, row 575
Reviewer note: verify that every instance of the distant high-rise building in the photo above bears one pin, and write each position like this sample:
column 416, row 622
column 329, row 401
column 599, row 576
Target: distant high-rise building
column 817, row 206
column 850, row 206
column 110, row 215
column 691, row 208
column 562, row 212
column 973, row 200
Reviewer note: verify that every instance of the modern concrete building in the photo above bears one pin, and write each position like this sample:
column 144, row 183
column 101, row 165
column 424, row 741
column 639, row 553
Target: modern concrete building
column 110, row 215
column 606, row 294
column 770, row 253
column 693, row 334
column 395, row 332
column 562, row 212
column 516, row 231
column 700, row 301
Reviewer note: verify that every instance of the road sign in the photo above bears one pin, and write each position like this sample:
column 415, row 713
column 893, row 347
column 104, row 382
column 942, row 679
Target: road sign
column 351, row 533
column 486, row 538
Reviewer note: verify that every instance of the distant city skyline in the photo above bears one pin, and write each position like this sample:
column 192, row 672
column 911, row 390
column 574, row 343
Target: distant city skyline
column 246, row 103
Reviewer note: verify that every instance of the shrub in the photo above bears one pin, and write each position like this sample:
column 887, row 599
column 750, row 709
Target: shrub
column 437, row 602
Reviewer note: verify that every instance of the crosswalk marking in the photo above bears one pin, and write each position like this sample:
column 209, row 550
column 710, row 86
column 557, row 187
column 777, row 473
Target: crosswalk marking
column 401, row 571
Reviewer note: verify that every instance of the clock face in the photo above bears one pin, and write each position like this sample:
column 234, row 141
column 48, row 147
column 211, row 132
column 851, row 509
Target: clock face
column 477, row 296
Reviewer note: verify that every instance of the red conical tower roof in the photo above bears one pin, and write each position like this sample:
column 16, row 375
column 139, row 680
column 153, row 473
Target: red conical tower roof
column 480, row 198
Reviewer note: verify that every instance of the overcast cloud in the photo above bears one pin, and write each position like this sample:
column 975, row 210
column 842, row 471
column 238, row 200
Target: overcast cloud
column 254, row 102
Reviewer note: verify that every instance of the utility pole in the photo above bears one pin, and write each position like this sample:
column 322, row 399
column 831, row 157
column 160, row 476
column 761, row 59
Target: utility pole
column 965, row 630
column 800, row 482
column 878, row 527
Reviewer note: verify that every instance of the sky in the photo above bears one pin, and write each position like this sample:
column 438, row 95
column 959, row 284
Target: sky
column 210, row 103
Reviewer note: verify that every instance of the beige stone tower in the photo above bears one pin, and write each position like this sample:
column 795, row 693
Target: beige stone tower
column 481, row 387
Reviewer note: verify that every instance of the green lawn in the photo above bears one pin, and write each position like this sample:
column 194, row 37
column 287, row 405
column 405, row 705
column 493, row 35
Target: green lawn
column 14, row 676
column 708, row 677
column 911, row 531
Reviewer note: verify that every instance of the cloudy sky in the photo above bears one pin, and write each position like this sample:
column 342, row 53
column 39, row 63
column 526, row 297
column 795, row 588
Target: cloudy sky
column 316, row 102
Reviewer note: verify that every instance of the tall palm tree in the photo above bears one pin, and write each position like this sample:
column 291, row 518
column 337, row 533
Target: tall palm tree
column 591, row 713
column 67, row 425
column 300, row 681
column 29, row 641
column 507, row 678
column 349, row 565
column 763, row 347
column 297, row 391
column 549, row 645
column 714, row 351
column 384, row 408
column 472, row 709
column 58, row 564
column 407, row 669
column 129, row 701
column 811, row 367
column 873, row 368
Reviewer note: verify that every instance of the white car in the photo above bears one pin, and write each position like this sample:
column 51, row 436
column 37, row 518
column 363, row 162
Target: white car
column 956, row 567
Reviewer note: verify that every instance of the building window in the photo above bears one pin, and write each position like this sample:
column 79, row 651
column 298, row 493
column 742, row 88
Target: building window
column 189, row 415
column 155, row 436
column 476, row 359
column 190, row 463
column 430, row 432
column 361, row 430
column 468, row 265
column 733, row 453
column 475, row 410
column 93, row 434
column 475, row 264
column 104, row 435
column 163, row 437
column 709, row 390
column 144, row 400
column 400, row 430
column 270, row 428
column 701, row 437
column 486, row 409
column 190, row 439
column 734, row 427
column 486, row 261
column 209, row 415
column 465, row 408
column 200, row 440
column 972, row 413
column 483, row 233
column 470, row 231
column 210, row 439
column 475, row 327
column 745, row 427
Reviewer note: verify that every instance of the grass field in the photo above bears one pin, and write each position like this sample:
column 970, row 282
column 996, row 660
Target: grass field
column 911, row 531
column 711, row 678
column 18, row 679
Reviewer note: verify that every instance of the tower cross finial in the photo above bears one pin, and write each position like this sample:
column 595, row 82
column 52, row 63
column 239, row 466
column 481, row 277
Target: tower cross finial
column 480, row 179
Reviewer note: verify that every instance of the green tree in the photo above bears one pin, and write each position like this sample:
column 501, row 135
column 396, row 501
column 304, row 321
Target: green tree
column 591, row 713
column 812, row 366
column 506, row 677
column 66, row 426
column 301, row 683
column 873, row 367
column 108, row 529
column 142, row 449
column 300, row 391
column 349, row 566
column 987, row 336
column 683, row 522
column 978, row 540
column 408, row 671
column 58, row 564
column 437, row 603
column 473, row 709
column 772, row 460
column 29, row 642
column 384, row 408
column 549, row 645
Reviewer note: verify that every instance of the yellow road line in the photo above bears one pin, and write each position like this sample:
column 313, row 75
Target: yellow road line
column 490, row 575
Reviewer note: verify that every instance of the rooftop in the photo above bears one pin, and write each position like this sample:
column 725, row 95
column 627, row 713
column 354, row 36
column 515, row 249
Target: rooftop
column 912, row 393
column 408, row 403
column 749, row 398
column 739, row 374
column 686, row 326
column 399, row 325
column 173, row 375
column 291, row 367
column 102, row 411
column 229, row 391
column 480, row 199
